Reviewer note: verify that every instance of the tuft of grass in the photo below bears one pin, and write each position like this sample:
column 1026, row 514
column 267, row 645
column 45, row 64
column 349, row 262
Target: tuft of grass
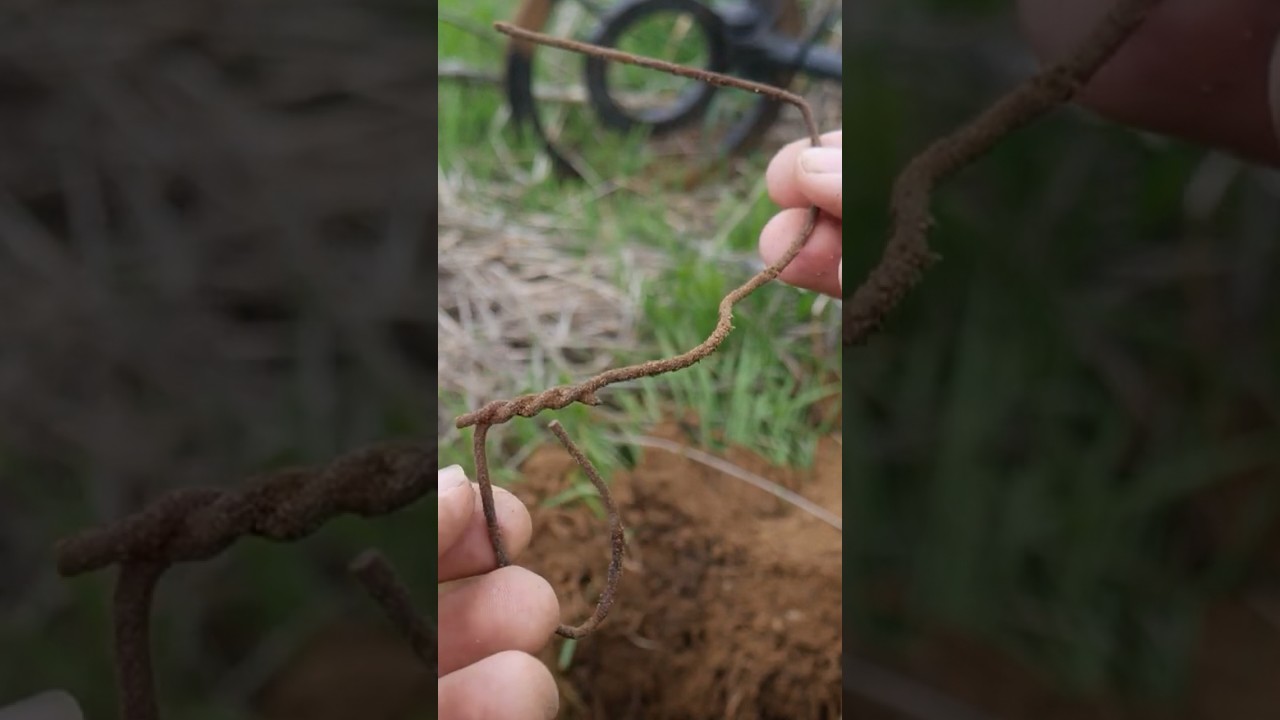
column 564, row 659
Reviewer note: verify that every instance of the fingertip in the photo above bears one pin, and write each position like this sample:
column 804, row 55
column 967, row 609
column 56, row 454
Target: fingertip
column 453, row 507
column 811, row 268
column 779, row 178
column 773, row 239
column 532, row 597
column 820, row 177
column 472, row 551
column 514, row 519
column 528, row 690
column 511, row 608
column 780, row 175
column 529, row 599
column 549, row 606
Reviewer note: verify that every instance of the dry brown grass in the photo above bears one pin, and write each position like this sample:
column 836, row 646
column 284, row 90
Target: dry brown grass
column 517, row 306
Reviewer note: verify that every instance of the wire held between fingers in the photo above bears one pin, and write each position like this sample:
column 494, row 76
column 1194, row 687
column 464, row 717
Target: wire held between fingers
column 527, row 406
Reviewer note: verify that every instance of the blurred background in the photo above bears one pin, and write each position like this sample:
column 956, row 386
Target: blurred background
column 1063, row 449
column 214, row 261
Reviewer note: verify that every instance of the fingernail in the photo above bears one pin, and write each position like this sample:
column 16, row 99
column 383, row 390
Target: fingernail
column 450, row 478
column 822, row 160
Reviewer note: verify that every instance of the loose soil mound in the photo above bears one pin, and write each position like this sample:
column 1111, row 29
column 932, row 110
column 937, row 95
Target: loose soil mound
column 730, row 603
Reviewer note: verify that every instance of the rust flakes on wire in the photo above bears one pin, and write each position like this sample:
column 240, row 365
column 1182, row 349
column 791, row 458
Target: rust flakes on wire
column 196, row 524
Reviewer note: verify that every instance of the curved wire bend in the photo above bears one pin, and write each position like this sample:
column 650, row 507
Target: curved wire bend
column 195, row 524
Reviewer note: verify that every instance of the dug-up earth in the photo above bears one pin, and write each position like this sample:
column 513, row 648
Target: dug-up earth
column 729, row 605
column 730, row 601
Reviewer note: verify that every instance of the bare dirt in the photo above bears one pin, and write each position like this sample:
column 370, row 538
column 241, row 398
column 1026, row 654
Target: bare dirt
column 730, row 603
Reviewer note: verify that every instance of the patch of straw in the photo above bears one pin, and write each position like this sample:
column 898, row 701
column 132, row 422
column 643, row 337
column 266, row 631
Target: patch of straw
column 518, row 308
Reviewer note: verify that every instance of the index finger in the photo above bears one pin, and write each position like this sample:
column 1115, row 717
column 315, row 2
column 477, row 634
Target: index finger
column 780, row 177
column 472, row 551
column 1194, row 70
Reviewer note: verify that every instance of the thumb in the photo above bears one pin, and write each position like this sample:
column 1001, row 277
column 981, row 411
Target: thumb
column 455, row 501
column 820, row 176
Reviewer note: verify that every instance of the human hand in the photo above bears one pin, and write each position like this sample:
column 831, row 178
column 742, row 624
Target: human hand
column 491, row 620
column 1206, row 72
column 800, row 176
column 54, row 705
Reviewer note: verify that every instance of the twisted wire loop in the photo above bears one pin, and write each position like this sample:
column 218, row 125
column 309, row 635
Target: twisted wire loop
column 195, row 524
column 556, row 398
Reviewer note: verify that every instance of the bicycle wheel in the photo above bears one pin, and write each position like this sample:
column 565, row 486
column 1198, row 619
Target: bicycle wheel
column 690, row 119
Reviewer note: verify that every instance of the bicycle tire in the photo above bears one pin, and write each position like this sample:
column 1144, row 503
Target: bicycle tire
column 519, row 63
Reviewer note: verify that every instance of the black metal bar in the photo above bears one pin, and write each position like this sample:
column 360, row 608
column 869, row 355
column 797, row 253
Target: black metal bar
column 819, row 62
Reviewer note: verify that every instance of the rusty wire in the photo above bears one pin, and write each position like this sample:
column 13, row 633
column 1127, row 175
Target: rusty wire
column 905, row 257
column 501, row 411
column 196, row 524
column 906, row 254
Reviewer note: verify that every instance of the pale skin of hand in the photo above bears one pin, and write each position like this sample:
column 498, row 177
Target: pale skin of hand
column 1205, row 71
column 798, row 177
column 491, row 620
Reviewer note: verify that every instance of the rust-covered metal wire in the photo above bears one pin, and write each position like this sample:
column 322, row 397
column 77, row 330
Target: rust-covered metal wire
column 501, row 411
column 191, row 525
column 196, row 524
column 906, row 254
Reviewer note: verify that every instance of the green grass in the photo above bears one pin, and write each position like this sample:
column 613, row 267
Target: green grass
column 997, row 470
column 743, row 393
